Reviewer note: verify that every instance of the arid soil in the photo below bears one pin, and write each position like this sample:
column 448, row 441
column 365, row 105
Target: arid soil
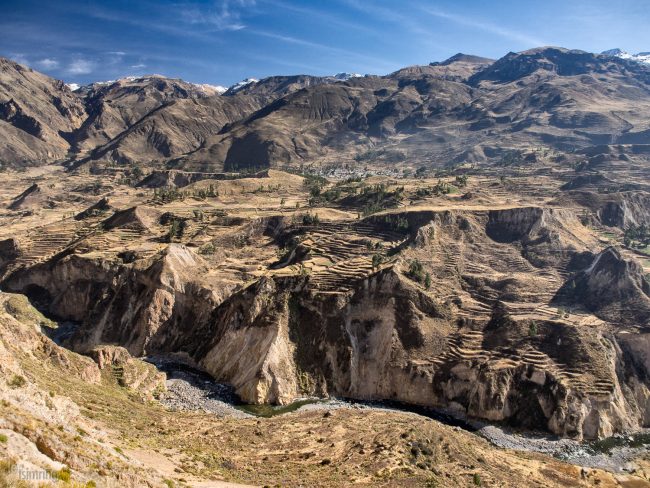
column 478, row 300
column 469, row 236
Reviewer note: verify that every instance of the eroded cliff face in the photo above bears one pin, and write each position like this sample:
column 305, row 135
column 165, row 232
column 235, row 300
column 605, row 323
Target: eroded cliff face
column 621, row 209
column 625, row 209
column 147, row 306
column 613, row 288
column 391, row 341
column 480, row 340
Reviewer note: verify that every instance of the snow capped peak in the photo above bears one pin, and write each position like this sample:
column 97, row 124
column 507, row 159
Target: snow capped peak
column 619, row 53
column 102, row 83
column 346, row 76
column 244, row 83
column 210, row 89
column 73, row 86
column 615, row 52
column 203, row 88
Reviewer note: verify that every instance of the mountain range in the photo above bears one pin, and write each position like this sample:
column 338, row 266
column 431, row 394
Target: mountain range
column 297, row 280
column 466, row 109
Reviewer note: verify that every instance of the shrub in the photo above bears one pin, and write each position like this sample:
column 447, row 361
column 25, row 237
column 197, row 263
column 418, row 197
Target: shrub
column 443, row 188
column 427, row 281
column 375, row 198
column 477, row 479
column 212, row 191
column 17, row 381
column 637, row 236
column 3, row 438
column 461, row 181
column 167, row 195
column 310, row 219
column 176, row 229
column 314, row 184
column 207, row 249
column 63, row 474
column 416, row 271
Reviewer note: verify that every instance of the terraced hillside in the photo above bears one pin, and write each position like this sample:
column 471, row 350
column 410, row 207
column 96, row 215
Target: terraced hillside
column 457, row 300
column 424, row 278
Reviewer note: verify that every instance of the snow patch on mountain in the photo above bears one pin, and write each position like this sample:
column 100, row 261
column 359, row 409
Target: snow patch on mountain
column 210, row 89
column 242, row 84
column 346, row 76
column 619, row 53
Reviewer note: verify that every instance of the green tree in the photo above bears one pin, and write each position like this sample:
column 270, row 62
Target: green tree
column 416, row 271
column 176, row 227
column 427, row 281
column 461, row 181
column 637, row 236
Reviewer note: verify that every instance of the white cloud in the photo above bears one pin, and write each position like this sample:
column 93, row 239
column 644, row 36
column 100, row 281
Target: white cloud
column 139, row 66
column 47, row 63
column 20, row 58
column 373, row 63
column 80, row 67
column 226, row 15
column 487, row 27
column 117, row 53
column 323, row 16
column 394, row 15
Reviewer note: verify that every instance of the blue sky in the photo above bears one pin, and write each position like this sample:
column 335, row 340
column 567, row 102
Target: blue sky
column 224, row 41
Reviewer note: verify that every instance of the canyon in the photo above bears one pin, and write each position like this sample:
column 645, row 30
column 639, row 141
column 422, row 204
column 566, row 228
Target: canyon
column 468, row 237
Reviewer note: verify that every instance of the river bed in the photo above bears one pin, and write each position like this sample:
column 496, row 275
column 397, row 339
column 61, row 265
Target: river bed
column 191, row 389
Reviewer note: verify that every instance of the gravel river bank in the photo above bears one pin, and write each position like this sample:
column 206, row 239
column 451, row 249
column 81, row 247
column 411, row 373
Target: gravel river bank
column 193, row 390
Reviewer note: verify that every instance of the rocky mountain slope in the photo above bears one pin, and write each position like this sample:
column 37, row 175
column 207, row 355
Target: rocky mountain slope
column 130, row 120
column 510, row 294
column 545, row 97
column 465, row 109
column 37, row 115
column 467, row 240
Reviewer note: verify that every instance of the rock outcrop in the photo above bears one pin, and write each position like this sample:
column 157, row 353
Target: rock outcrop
column 613, row 288
column 129, row 372
column 180, row 179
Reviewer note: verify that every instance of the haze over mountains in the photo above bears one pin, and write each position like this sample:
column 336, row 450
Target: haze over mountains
column 465, row 109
